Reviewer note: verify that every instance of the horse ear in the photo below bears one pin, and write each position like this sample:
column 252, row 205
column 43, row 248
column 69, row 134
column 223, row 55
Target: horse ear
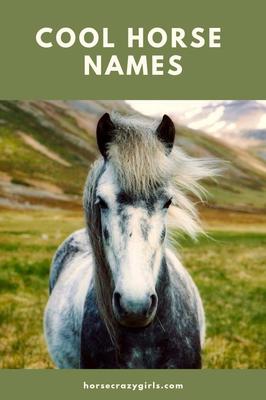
column 166, row 133
column 104, row 133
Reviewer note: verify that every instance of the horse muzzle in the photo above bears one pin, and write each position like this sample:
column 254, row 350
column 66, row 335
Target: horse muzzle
column 134, row 313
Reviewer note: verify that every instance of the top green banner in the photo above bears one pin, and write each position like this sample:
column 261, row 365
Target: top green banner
column 185, row 49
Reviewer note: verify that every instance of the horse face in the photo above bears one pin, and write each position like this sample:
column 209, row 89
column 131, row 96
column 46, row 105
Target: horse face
column 133, row 232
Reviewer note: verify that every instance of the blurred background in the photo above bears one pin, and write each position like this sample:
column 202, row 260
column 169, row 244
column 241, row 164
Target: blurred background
column 46, row 148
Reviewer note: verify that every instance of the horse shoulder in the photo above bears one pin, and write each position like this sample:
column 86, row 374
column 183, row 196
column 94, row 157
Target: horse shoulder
column 77, row 242
column 71, row 279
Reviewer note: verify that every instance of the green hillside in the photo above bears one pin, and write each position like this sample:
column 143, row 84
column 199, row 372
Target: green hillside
column 242, row 185
column 46, row 148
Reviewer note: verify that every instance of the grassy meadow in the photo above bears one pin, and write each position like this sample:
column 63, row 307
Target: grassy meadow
column 228, row 267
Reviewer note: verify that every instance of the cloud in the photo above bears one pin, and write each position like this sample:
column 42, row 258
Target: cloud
column 262, row 122
column 209, row 121
column 173, row 107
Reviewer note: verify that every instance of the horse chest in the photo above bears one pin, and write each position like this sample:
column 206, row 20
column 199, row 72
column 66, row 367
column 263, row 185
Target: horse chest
column 153, row 347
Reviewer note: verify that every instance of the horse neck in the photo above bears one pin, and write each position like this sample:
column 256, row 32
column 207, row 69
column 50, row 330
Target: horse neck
column 164, row 289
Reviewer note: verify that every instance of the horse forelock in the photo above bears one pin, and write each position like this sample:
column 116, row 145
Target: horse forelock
column 137, row 156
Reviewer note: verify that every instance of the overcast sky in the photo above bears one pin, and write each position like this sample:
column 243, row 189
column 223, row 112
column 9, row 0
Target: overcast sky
column 212, row 116
column 158, row 107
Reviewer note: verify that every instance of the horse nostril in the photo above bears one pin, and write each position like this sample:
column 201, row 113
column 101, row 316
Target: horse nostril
column 117, row 304
column 153, row 305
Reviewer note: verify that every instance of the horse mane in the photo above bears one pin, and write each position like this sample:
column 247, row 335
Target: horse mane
column 141, row 165
column 103, row 282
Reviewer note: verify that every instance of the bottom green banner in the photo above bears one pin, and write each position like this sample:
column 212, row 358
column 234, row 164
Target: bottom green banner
column 148, row 384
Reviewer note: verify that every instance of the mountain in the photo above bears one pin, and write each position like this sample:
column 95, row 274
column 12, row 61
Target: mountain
column 238, row 122
column 46, row 148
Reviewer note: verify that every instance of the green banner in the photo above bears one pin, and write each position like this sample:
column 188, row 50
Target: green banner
column 185, row 49
column 116, row 384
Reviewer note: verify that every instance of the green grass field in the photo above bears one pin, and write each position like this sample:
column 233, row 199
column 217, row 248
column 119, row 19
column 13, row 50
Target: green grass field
column 228, row 267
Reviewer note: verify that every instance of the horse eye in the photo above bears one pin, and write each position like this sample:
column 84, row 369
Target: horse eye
column 168, row 203
column 103, row 205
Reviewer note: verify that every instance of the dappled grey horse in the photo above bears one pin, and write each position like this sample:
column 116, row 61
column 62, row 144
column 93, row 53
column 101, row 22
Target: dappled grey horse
column 119, row 296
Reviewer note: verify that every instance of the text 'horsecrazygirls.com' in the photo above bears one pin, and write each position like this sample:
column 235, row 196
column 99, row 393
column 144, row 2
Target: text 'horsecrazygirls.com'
column 137, row 38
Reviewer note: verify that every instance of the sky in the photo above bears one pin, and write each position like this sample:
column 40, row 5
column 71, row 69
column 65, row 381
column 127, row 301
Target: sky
column 157, row 107
column 212, row 116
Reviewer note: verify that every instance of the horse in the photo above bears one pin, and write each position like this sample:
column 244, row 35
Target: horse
column 119, row 295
